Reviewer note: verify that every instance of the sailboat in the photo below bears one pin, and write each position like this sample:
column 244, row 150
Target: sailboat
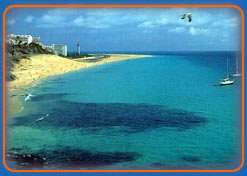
column 237, row 71
column 226, row 81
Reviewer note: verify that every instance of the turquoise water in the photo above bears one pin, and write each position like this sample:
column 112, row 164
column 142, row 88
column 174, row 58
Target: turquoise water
column 159, row 112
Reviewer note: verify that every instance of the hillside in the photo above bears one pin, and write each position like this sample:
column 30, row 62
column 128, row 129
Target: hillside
column 15, row 53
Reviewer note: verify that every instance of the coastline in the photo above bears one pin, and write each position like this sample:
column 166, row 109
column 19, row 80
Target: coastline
column 29, row 72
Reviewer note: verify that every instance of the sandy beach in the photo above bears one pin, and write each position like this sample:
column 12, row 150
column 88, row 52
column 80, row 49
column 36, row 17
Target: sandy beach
column 31, row 71
column 42, row 66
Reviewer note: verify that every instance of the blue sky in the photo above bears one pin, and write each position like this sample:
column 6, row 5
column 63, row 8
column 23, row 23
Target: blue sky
column 130, row 29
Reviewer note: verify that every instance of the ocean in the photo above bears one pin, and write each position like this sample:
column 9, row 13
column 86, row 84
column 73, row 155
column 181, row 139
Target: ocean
column 155, row 113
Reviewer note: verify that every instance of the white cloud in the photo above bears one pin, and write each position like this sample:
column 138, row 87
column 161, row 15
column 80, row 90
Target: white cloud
column 98, row 23
column 172, row 17
column 52, row 21
column 231, row 22
column 198, row 31
column 29, row 19
column 79, row 21
column 192, row 31
column 11, row 22
column 52, row 18
column 101, row 17
column 168, row 19
column 177, row 29
column 162, row 21
column 224, row 37
column 155, row 22
column 146, row 24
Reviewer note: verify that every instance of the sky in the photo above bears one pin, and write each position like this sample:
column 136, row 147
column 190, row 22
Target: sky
column 130, row 29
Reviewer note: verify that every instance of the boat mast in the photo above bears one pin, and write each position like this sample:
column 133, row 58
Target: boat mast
column 236, row 64
column 227, row 76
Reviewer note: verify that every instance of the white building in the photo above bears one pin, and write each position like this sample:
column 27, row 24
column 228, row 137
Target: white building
column 59, row 49
column 19, row 39
column 28, row 39
column 37, row 40
column 48, row 48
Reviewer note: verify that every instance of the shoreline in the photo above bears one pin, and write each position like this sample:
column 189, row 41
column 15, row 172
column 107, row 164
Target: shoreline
column 30, row 72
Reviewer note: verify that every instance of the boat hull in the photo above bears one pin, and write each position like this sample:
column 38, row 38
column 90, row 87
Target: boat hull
column 226, row 83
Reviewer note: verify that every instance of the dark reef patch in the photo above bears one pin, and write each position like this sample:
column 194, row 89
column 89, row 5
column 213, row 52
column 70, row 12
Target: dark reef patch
column 67, row 158
column 25, row 161
column 169, row 166
column 133, row 117
column 191, row 159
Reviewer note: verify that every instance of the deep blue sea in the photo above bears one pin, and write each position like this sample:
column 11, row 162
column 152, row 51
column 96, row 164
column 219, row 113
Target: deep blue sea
column 159, row 112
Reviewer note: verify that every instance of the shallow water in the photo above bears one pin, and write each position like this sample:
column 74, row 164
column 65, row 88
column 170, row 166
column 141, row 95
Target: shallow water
column 161, row 112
